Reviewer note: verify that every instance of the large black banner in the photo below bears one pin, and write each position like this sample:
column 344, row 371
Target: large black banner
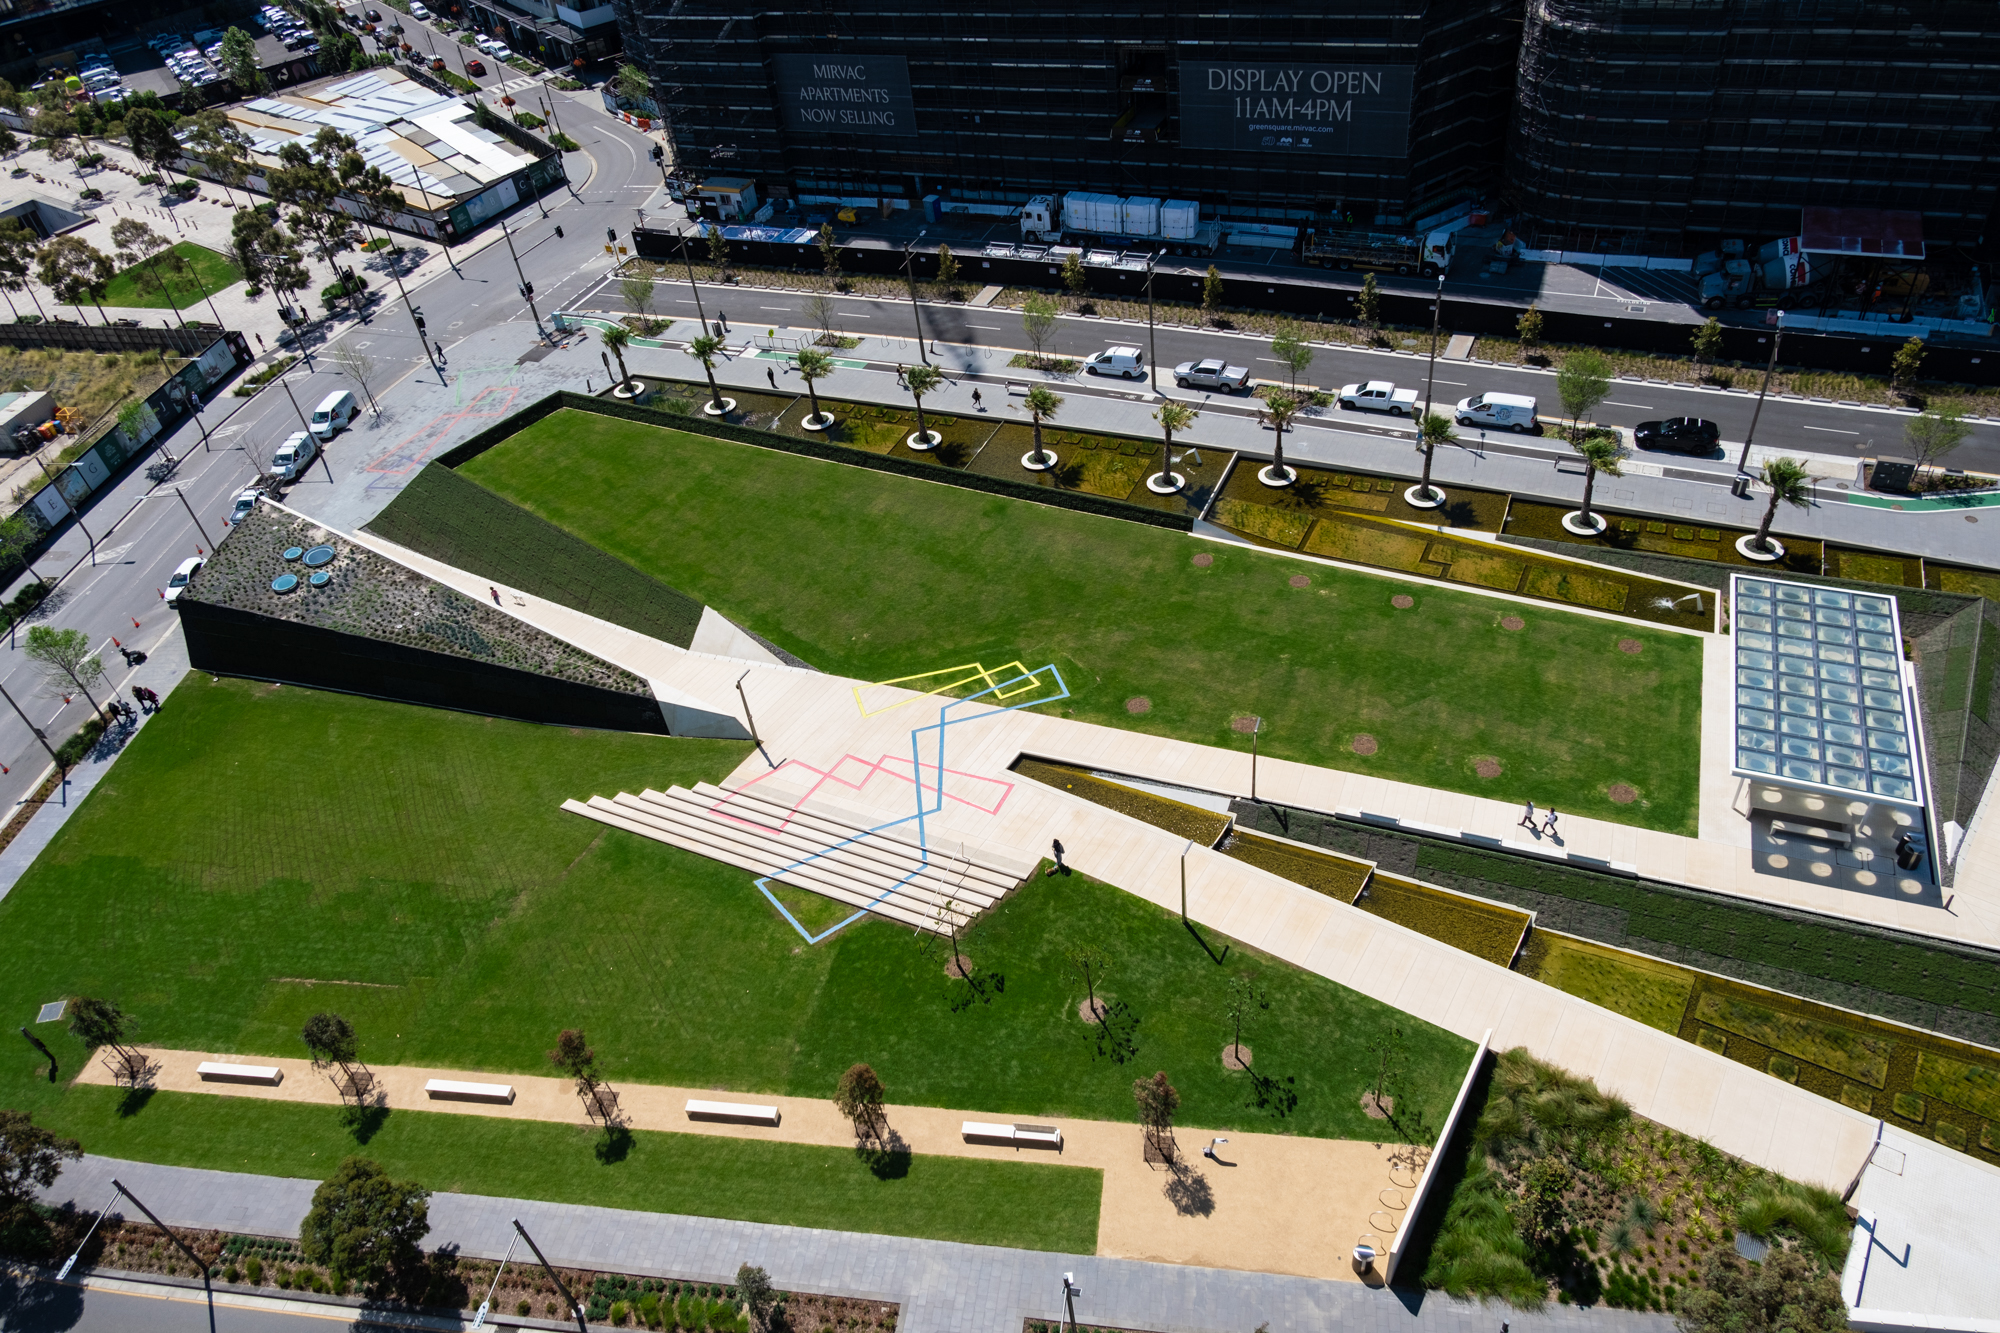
column 844, row 94
column 1325, row 110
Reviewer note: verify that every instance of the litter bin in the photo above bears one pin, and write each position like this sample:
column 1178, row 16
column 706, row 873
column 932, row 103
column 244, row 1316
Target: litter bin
column 933, row 208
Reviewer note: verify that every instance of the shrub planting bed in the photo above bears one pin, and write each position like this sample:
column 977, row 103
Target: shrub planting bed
column 1192, row 822
column 1484, row 930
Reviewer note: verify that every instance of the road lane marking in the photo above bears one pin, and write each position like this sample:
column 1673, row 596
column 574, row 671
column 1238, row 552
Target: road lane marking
column 1831, row 430
column 990, row 328
column 1643, row 407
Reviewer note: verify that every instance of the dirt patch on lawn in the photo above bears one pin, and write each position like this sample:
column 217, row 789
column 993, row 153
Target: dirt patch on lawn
column 1513, row 623
column 1402, row 601
column 1246, row 725
column 1204, row 560
column 1138, row 703
column 1486, row 766
column 1624, row 793
column 1377, row 1108
column 1092, row 1011
column 1632, row 646
column 959, row 967
column 1236, row 1056
column 1300, row 581
column 1363, row 744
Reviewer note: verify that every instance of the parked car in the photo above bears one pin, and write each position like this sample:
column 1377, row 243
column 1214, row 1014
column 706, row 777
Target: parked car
column 476, row 68
column 500, row 51
column 1212, row 374
column 294, row 455
column 1686, row 435
column 1501, row 411
column 374, row 16
column 246, row 500
column 1127, row 363
column 420, row 13
column 333, row 413
column 176, row 585
column 485, row 42
column 1379, row 396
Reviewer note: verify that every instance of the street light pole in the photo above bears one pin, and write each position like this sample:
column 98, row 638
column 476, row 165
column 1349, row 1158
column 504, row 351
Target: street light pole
column 1070, row 1292
column 1152, row 338
column 1430, row 382
column 574, row 1308
column 688, row 259
column 53, row 481
column 1743, row 459
column 40, row 735
column 192, row 516
column 193, row 1258
column 527, row 288
column 1256, row 726
column 324, row 467
column 916, row 311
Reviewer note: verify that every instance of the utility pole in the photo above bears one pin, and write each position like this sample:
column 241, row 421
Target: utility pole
column 194, row 406
column 40, row 735
column 191, row 514
column 1256, row 726
column 1070, row 1292
column 688, row 259
column 574, row 1308
column 527, row 288
column 1153, row 340
column 1741, row 485
column 1430, row 382
column 916, row 312
column 416, row 316
column 72, row 508
column 179, row 1244
column 308, row 425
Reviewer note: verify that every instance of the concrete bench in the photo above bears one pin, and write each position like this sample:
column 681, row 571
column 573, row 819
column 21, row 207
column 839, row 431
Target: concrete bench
column 449, row 1090
column 1012, row 1136
column 733, row 1113
column 214, row 1071
column 1016, row 389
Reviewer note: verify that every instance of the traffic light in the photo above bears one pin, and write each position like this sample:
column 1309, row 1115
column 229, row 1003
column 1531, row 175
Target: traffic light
column 418, row 314
column 527, row 291
column 559, row 235
column 658, row 152
column 611, row 235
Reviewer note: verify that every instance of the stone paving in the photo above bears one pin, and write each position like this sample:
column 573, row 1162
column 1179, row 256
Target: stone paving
column 944, row 1287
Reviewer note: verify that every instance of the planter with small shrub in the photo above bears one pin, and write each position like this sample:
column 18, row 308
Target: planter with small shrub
column 89, row 194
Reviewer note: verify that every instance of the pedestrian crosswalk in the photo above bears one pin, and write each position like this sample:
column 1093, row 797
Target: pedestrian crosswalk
column 516, row 85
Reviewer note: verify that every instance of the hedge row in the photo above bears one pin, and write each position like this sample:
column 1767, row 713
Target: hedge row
column 456, row 520
column 1100, row 505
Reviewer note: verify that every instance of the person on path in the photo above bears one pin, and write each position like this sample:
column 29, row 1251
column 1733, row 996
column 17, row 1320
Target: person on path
column 1549, row 822
column 440, row 352
column 496, row 593
column 772, row 376
column 260, row 342
column 975, row 398
column 1056, row 843
column 1528, row 817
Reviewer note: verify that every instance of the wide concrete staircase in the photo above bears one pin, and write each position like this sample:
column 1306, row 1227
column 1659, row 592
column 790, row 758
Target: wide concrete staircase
column 822, row 848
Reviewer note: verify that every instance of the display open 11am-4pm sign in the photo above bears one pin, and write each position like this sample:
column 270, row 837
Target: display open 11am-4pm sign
column 1285, row 107
column 844, row 94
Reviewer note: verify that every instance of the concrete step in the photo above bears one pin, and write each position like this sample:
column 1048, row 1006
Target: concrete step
column 1009, row 865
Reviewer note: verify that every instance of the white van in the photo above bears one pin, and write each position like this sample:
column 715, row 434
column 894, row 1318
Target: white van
column 333, row 413
column 1499, row 411
column 294, row 455
column 1125, row 362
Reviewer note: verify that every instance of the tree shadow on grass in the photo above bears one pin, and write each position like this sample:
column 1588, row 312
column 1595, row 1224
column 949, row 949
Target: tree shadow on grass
column 1189, row 1192
column 364, row 1122
column 887, row 1156
column 1277, row 1096
column 614, row 1145
column 976, row 988
column 1117, row 1032
column 134, row 1101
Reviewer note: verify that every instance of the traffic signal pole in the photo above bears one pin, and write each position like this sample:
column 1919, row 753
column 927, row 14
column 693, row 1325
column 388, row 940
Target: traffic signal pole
column 527, row 288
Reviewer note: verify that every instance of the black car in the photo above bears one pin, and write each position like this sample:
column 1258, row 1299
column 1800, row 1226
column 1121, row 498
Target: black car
column 1687, row 435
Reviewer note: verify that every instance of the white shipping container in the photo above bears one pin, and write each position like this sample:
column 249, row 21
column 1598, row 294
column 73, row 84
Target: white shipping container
column 1179, row 219
column 1142, row 217
column 1083, row 211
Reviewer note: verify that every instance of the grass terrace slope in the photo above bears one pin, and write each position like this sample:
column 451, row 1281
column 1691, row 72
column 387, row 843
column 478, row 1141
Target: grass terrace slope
column 877, row 576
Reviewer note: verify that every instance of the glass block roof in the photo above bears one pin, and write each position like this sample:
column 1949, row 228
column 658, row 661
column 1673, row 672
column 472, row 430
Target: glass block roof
column 1820, row 697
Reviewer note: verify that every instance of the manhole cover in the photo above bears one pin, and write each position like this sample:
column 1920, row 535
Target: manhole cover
column 320, row 555
column 320, row 579
column 294, row 552
column 284, row 583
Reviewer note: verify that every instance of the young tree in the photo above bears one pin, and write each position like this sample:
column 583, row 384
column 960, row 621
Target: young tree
column 859, row 1097
column 331, row 1043
column 366, row 1227
column 920, row 380
column 1600, row 454
column 1075, row 281
column 1043, row 403
column 55, row 123
column 240, row 63
column 361, row 366
column 225, row 150
column 820, row 310
column 632, row 84
column 99, row 1024
column 1245, row 997
column 66, row 661
column 1582, row 382
column 142, row 248
column 10, row 143
column 1368, row 305
column 1787, row 1291
column 17, row 257
column 1291, row 348
column 1038, row 321
column 1434, row 430
column 1789, row 483
column 1529, row 328
column 638, row 293
column 718, row 251
column 1390, row 1054
column 76, row 271
column 1933, row 433
column 1707, row 341
column 705, row 349
column 153, row 141
column 31, row 1157
column 1279, row 409
column 1158, row 1100
column 1211, row 294
column 1089, row 964
column 1906, row 365
column 947, row 262
column 616, row 339
column 1172, row 417
column 574, row 1056
column 813, row 366
column 753, row 1288
column 828, row 254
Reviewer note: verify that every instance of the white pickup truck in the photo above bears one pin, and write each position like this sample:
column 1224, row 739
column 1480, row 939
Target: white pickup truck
column 1380, row 396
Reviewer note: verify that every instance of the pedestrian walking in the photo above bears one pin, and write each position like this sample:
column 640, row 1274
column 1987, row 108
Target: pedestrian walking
column 1549, row 822
column 496, row 593
column 771, row 375
column 440, row 352
column 1528, row 817
column 975, row 398
column 260, row 342
column 1056, row 844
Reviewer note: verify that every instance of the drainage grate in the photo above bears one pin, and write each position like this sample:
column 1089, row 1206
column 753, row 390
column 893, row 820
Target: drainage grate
column 1636, row 309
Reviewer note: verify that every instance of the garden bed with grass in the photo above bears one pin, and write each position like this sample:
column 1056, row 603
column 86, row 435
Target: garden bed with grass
column 1484, row 930
column 204, row 272
column 875, row 574
column 1323, row 872
column 1200, row 826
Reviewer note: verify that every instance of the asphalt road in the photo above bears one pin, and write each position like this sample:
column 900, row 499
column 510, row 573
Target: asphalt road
column 1814, row 428
column 142, row 532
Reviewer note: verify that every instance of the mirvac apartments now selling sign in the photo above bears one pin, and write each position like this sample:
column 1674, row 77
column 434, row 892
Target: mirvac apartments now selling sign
column 845, row 94
column 1327, row 110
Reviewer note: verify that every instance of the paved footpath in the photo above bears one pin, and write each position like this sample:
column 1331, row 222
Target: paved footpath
column 944, row 1287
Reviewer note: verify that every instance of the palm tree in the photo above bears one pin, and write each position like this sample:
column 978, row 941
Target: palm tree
column 1435, row 430
column 705, row 349
column 616, row 339
column 1172, row 416
column 920, row 380
column 1601, row 453
column 1788, row 482
column 1279, row 408
column 1043, row 404
column 814, row 365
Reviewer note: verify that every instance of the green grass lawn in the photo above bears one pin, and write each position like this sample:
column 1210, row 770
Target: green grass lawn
column 260, row 853
column 1035, row 1206
column 879, row 576
column 208, row 272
